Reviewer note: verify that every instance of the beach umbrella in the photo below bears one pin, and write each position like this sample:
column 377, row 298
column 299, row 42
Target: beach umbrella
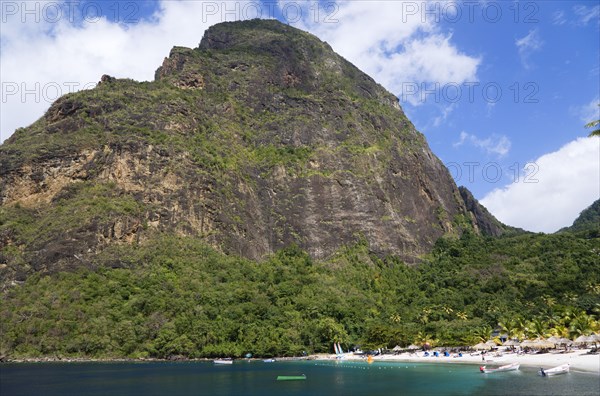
column 582, row 339
column 482, row 346
column 594, row 338
column 527, row 344
column 537, row 344
column 541, row 343
column 564, row 341
column 511, row 343
column 491, row 343
column 553, row 339
column 413, row 347
column 397, row 348
column 591, row 339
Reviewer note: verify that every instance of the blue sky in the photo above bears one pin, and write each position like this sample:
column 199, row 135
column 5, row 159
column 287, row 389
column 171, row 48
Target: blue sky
column 542, row 55
column 556, row 77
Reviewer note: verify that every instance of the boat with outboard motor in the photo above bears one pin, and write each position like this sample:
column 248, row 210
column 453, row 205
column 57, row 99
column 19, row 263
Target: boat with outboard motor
column 562, row 369
column 506, row 367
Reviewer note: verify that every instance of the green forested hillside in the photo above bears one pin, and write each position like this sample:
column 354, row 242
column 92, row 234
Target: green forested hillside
column 261, row 195
column 178, row 297
column 588, row 219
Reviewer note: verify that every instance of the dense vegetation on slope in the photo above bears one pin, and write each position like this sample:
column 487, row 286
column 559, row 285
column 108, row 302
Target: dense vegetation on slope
column 117, row 205
column 179, row 297
column 588, row 219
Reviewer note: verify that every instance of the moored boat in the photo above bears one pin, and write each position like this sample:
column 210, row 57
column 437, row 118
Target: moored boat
column 562, row 369
column 223, row 361
column 269, row 360
column 506, row 367
column 358, row 352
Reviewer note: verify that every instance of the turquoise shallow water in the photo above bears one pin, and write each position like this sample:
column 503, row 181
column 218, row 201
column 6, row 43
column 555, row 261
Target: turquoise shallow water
column 259, row 378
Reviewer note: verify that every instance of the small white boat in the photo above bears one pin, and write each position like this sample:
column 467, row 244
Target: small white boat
column 269, row 360
column 506, row 367
column 563, row 369
column 223, row 361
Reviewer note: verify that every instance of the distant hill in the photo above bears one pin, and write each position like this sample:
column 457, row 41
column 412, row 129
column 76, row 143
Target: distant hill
column 588, row 219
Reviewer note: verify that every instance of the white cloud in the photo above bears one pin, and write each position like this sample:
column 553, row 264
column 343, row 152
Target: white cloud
column 587, row 14
column 53, row 55
column 563, row 183
column 583, row 16
column 527, row 45
column 558, row 18
column 445, row 113
column 463, row 137
column 587, row 112
column 496, row 145
column 395, row 43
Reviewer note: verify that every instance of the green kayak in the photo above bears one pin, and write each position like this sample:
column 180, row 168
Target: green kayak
column 291, row 377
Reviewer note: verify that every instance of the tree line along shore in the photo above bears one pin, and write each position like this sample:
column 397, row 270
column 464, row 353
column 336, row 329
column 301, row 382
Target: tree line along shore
column 178, row 297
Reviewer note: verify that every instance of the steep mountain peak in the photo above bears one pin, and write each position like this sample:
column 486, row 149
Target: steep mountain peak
column 263, row 35
column 259, row 138
column 285, row 56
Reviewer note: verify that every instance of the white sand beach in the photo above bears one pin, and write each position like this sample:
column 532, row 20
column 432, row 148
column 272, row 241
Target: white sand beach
column 577, row 359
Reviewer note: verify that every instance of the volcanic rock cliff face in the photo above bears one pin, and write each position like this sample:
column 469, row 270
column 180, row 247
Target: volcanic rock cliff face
column 484, row 222
column 259, row 138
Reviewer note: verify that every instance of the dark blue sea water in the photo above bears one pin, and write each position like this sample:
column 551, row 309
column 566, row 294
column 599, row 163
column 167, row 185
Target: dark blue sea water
column 259, row 378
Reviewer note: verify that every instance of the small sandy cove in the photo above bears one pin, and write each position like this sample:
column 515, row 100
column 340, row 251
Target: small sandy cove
column 577, row 359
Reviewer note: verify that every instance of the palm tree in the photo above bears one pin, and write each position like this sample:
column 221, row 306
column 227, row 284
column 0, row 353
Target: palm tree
column 569, row 314
column 424, row 338
column 582, row 324
column 560, row 331
column 447, row 309
column 593, row 288
column 593, row 124
column 509, row 326
column 554, row 319
column 571, row 297
column 469, row 339
column 539, row 328
column 483, row 333
column 549, row 302
column 395, row 318
column 596, row 310
column 521, row 328
column 425, row 315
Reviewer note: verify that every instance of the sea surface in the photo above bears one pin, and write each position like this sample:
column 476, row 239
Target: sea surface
column 259, row 378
